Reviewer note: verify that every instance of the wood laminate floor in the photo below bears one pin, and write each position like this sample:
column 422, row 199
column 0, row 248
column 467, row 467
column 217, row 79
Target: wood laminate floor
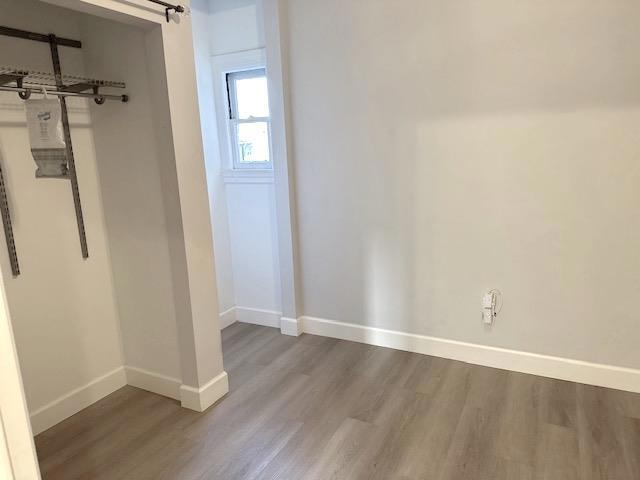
column 318, row 408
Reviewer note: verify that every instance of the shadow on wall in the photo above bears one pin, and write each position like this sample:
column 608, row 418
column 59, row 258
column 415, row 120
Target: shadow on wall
column 466, row 146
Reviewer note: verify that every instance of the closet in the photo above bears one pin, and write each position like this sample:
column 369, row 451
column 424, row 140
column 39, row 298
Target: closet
column 108, row 267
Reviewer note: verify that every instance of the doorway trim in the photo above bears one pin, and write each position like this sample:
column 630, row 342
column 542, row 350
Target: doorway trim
column 274, row 15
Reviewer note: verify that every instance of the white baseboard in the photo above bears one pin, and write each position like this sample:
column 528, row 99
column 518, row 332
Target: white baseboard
column 153, row 382
column 199, row 399
column 543, row 365
column 228, row 317
column 74, row 401
column 80, row 398
column 291, row 326
column 257, row 316
column 266, row 318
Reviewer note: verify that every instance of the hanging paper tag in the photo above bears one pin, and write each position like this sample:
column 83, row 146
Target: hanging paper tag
column 44, row 122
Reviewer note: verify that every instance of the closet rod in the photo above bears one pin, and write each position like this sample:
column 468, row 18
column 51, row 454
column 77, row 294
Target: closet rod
column 97, row 96
column 168, row 7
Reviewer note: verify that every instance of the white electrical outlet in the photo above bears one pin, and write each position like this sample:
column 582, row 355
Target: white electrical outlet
column 489, row 301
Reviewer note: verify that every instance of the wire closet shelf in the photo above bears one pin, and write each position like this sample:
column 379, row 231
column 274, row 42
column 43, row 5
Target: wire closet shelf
column 26, row 82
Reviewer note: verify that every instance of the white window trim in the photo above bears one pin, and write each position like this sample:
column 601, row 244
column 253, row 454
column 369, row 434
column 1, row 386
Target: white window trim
column 221, row 65
column 248, row 175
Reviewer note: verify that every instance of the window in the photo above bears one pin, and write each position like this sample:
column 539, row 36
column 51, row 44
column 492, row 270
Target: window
column 249, row 122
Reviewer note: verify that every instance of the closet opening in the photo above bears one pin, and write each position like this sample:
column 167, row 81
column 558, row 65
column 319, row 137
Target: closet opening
column 105, row 216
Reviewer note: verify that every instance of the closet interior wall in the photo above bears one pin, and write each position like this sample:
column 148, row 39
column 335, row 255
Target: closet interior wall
column 63, row 310
column 135, row 169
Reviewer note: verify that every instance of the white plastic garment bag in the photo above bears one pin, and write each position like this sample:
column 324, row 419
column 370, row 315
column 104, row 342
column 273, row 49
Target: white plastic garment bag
column 44, row 122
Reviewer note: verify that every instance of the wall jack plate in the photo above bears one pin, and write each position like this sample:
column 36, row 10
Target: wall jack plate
column 489, row 301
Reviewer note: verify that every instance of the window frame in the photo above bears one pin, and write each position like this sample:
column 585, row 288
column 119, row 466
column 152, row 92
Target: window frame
column 220, row 66
column 233, row 120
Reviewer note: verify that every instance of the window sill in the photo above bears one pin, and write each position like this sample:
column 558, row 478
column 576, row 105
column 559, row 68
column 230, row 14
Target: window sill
column 247, row 176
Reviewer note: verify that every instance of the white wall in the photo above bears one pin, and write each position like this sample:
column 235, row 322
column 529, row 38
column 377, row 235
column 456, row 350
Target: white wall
column 63, row 309
column 243, row 208
column 252, row 224
column 446, row 148
column 202, row 33
column 235, row 25
column 127, row 147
